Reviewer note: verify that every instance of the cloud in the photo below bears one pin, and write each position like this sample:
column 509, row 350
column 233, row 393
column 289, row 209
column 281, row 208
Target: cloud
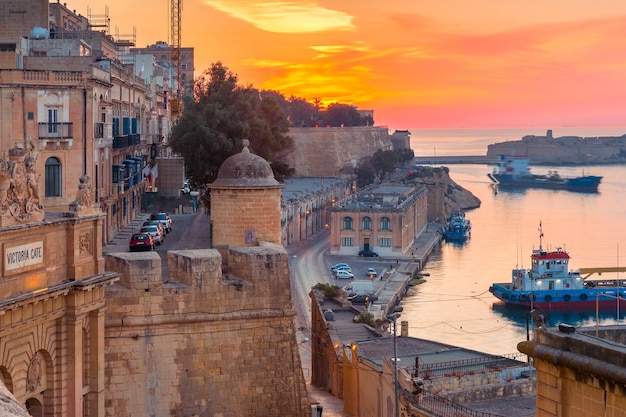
column 285, row 16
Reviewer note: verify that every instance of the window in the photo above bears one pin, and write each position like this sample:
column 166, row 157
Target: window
column 53, row 120
column 384, row 242
column 347, row 223
column 366, row 223
column 347, row 241
column 385, row 223
column 53, row 177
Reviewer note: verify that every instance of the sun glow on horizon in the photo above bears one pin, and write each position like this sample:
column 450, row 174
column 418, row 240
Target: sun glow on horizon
column 443, row 64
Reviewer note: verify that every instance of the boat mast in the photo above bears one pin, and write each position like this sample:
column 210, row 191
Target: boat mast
column 540, row 237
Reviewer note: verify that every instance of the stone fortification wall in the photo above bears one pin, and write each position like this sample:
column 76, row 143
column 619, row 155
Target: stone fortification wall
column 563, row 150
column 334, row 151
column 202, row 341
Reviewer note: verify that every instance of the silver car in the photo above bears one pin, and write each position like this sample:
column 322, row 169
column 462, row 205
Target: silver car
column 156, row 233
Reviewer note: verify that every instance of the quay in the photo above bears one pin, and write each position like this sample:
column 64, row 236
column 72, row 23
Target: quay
column 459, row 159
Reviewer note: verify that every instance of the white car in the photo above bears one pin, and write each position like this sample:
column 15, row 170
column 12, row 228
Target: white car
column 371, row 272
column 339, row 266
column 343, row 274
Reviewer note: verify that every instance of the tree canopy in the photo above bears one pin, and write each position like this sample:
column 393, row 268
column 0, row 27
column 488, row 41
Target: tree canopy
column 381, row 164
column 219, row 116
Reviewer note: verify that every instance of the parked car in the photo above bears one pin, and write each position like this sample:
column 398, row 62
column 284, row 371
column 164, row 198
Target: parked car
column 343, row 274
column 343, row 268
column 155, row 232
column 141, row 241
column 163, row 218
column 360, row 298
column 338, row 266
column 371, row 272
column 368, row 253
column 156, row 223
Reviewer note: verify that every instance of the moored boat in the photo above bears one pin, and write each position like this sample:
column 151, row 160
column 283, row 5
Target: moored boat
column 549, row 284
column 513, row 171
column 458, row 227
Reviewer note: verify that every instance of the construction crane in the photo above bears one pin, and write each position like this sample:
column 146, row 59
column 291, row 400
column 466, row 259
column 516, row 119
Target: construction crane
column 176, row 103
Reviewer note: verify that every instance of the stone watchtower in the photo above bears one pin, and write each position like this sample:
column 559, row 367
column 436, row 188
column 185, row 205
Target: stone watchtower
column 216, row 336
column 245, row 202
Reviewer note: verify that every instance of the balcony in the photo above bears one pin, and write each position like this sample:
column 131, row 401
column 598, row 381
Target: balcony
column 56, row 131
column 120, row 142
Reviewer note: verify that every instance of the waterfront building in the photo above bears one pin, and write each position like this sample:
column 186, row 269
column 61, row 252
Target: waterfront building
column 384, row 219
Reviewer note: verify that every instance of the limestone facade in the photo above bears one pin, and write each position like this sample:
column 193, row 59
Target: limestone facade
column 68, row 97
column 52, row 314
column 580, row 372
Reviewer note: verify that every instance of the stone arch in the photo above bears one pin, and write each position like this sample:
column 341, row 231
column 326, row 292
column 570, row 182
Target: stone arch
column 40, row 383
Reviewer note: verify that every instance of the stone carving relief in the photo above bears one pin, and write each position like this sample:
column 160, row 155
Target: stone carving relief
column 19, row 195
column 34, row 373
column 84, row 203
column 85, row 243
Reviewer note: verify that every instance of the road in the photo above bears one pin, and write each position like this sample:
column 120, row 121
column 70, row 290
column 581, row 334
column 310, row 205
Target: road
column 307, row 268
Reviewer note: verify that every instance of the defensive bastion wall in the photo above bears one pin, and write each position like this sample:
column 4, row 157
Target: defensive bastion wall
column 208, row 339
column 334, row 151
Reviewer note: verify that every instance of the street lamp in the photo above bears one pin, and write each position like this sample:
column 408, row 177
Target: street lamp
column 306, row 223
column 394, row 316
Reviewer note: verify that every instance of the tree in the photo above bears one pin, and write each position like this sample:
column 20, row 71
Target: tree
column 219, row 116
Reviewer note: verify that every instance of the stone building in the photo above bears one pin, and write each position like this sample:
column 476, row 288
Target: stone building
column 51, row 298
column 67, row 97
column 381, row 218
column 216, row 336
column 580, row 371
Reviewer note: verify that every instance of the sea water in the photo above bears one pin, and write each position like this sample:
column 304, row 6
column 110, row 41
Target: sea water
column 454, row 305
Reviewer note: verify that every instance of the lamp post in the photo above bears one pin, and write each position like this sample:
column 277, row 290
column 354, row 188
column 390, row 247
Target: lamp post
column 306, row 223
column 394, row 316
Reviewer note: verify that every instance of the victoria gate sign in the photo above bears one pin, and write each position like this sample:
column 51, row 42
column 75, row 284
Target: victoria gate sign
column 21, row 256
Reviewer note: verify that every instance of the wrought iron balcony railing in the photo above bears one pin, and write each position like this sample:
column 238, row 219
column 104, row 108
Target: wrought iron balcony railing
column 56, row 131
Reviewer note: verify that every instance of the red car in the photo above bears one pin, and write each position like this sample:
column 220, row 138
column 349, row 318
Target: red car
column 141, row 241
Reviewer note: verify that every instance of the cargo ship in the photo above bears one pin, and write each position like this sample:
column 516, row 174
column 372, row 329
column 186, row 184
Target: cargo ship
column 513, row 171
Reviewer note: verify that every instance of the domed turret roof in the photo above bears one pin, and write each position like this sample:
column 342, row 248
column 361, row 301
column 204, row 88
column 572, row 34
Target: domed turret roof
column 245, row 169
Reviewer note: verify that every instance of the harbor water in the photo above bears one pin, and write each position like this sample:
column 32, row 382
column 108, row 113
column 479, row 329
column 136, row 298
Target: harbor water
column 454, row 305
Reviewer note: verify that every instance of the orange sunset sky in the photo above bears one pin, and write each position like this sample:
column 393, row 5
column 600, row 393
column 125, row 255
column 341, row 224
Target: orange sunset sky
column 417, row 64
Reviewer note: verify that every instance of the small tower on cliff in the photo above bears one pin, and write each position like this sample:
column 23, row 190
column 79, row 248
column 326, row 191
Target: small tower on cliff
column 245, row 202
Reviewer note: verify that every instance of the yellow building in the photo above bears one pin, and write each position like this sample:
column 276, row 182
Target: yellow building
column 384, row 219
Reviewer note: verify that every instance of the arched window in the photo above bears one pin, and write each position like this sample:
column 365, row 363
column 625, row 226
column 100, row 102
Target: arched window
column 53, row 177
column 366, row 223
column 385, row 223
column 347, row 223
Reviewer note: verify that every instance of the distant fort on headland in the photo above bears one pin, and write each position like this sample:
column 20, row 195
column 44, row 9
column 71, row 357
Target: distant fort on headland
column 563, row 150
